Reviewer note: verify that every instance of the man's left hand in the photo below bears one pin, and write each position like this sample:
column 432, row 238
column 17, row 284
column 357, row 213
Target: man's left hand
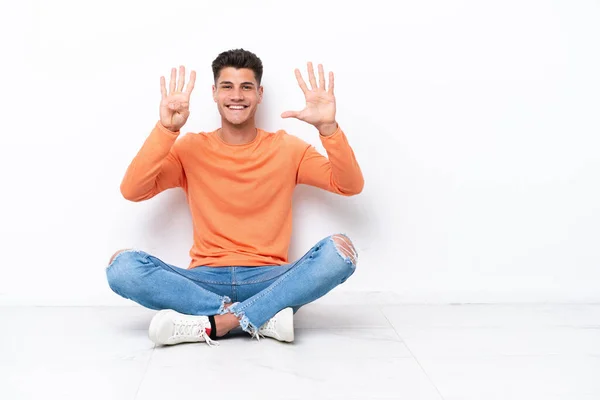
column 320, row 102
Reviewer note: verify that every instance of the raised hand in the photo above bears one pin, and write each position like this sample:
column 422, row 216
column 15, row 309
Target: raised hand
column 320, row 102
column 175, row 105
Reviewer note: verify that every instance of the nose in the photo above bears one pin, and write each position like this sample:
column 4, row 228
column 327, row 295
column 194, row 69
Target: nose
column 237, row 94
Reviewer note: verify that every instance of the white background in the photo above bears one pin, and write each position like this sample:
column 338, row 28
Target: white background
column 476, row 124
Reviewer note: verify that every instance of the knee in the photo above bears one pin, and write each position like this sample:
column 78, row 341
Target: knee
column 125, row 270
column 345, row 248
column 112, row 258
column 345, row 258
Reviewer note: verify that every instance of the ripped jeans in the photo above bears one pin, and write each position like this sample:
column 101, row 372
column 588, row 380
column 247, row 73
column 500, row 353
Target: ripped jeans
column 257, row 292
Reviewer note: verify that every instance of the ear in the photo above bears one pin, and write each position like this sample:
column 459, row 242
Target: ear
column 260, row 94
column 214, row 93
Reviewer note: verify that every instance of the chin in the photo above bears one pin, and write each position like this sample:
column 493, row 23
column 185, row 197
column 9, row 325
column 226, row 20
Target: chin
column 237, row 122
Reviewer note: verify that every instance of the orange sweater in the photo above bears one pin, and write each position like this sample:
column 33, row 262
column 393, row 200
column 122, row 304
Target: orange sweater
column 240, row 196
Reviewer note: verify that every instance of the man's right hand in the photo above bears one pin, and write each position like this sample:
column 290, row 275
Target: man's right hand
column 175, row 105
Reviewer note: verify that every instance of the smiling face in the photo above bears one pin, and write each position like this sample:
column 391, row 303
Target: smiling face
column 237, row 94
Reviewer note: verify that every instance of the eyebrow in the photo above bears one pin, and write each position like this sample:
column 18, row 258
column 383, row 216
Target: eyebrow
column 231, row 83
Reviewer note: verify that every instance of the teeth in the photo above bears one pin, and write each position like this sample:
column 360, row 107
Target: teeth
column 236, row 107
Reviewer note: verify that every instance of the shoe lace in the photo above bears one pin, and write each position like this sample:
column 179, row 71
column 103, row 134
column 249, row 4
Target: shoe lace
column 269, row 326
column 193, row 328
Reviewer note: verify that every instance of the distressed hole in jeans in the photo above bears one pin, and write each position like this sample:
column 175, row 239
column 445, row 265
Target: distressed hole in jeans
column 345, row 248
column 116, row 254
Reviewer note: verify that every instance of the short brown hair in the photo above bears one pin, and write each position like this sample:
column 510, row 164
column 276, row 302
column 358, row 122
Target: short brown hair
column 238, row 58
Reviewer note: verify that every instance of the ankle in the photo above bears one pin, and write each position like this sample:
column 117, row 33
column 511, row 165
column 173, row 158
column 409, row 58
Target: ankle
column 224, row 323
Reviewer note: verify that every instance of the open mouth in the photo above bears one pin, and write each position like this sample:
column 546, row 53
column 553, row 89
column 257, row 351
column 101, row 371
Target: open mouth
column 237, row 107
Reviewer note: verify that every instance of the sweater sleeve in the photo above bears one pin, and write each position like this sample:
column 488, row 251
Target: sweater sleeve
column 339, row 173
column 155, row 168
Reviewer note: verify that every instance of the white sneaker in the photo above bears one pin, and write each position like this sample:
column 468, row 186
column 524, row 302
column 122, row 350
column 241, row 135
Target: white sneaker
column 170, row 327
column 280, row 327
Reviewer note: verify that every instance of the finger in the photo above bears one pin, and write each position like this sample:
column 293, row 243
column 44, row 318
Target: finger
column 311, row 76
column 172, row 82
column 301, row 81
column 330, row 82
column 181, row 78
column 290, row 114
column 190, row 85
column 321, row 77
column 163, row 87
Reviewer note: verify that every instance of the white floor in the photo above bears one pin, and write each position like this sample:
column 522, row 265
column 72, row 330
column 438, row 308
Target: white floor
column 479, row 352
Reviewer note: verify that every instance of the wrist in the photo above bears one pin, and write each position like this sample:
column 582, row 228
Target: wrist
column 327, row 129
column 170, row 128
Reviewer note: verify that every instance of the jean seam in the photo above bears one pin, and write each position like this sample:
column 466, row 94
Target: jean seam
column 185, row 276
column 203, row 281
column 224, row 299
column 261, row 280
column 283, row 273
column 284, row 277
column 195, row 279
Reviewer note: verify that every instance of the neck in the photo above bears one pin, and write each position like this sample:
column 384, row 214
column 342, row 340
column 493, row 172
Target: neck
column 238, row 134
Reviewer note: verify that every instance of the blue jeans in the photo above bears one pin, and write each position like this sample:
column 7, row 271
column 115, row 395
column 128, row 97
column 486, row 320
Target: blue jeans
column 257, row 292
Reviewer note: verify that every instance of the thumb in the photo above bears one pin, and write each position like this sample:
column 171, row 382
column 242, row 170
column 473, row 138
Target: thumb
column 290, row 114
